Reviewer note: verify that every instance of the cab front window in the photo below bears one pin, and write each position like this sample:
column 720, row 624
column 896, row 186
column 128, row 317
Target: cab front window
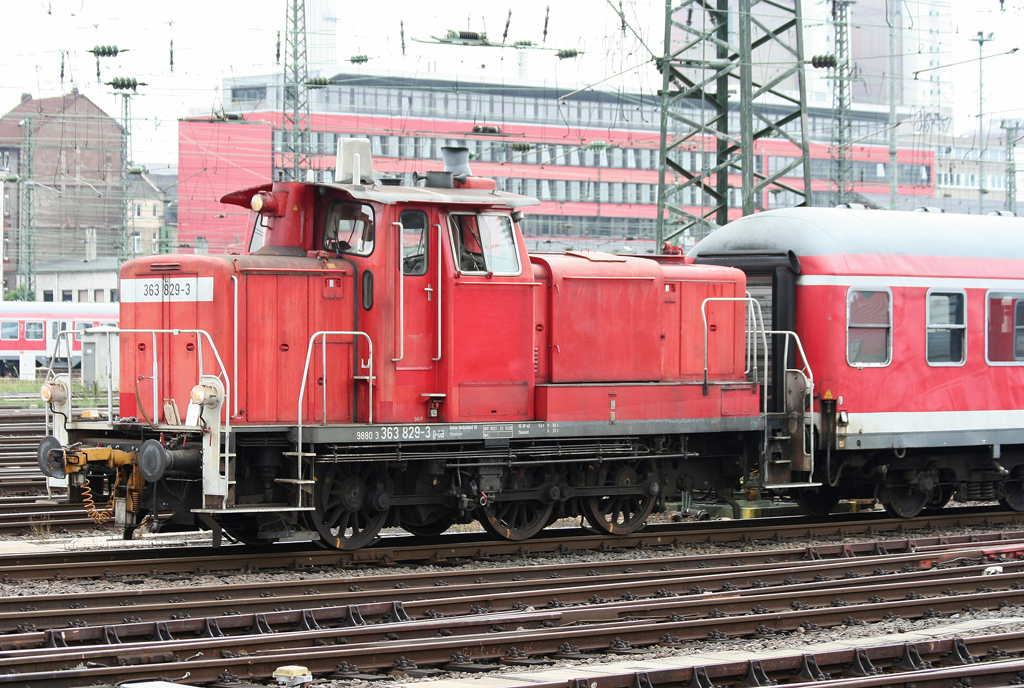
column 348, row 228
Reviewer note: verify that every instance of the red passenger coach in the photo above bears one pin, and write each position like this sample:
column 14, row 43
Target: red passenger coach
column 29, row 333
column 387, row 355
column 913, row 324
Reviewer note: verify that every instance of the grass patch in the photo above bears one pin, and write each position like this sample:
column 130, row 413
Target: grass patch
column 16, row 393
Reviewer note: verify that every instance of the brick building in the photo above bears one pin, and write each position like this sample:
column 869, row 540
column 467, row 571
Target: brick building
column 67, row 154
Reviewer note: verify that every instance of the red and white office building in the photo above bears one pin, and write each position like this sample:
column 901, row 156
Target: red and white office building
column 592, row 159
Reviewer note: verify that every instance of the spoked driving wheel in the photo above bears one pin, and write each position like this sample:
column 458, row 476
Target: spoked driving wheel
column 351, row 501
column 518, row 519
column 633, row 491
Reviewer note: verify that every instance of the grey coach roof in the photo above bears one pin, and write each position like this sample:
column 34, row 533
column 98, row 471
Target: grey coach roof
column 834, row 231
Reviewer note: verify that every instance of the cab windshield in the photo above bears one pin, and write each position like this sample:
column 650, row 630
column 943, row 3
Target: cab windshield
column 348, row 228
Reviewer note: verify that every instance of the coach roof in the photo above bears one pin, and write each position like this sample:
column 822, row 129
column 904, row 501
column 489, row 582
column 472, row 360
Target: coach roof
column 842, row 231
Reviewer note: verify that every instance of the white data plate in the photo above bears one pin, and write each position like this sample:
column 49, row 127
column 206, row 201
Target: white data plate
column 158, row 289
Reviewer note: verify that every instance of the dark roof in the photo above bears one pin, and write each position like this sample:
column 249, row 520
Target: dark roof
column 64, row 265
column 9, row 128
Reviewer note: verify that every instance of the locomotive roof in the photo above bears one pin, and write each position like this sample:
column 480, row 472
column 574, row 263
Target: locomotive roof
column 390, row 195
column 843, row 231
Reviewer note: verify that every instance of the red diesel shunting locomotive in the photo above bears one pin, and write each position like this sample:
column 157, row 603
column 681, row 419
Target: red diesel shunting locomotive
column 392, row 355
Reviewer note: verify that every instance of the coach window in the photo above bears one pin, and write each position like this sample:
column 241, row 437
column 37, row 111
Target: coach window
column 484, row 244
column 79, row 328
column 415, row 242
column 946, row 336
column 9, row 330
column 869, row 327
column 348, row 228
column 34, row 330
column 1005, row 328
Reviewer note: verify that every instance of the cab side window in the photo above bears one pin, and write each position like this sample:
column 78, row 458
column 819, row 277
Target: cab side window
column 348, row 228
column 484, row 244
column 415, row 242
column 869, row 327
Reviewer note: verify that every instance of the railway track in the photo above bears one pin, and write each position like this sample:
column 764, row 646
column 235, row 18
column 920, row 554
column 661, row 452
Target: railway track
column 529, row 613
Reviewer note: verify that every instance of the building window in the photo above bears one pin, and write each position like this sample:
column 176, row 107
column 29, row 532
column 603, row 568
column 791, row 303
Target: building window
column 97, row 295
column 947, row 330
column 9, row 330
column 869, row 327
column 66, row 296
column 138, row 210
column 113, row 296
column 1005, row 328
column 34, row 330
column 155, row 209
column 83, row 295
column 47, row 296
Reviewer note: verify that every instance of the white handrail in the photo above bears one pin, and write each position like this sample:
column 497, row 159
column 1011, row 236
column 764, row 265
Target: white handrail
column 808, row 377
column 440, row 239
column 305, row 374
column 200, row 334
column 760, row 322
column 401, row 293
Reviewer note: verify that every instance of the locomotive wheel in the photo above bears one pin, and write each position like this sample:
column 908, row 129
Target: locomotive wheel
column 1013, row 492
column 625, row 513
column 903, row 501
column 517, row 519
column 818, row 501
column 351, row 501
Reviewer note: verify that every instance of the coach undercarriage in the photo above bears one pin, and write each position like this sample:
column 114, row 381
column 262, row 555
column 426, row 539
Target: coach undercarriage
column 908, row 481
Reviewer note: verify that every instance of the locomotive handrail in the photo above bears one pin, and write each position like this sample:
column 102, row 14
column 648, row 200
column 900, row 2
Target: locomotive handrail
column 440, row 242
column 107, row 330
column 401, row 293
column 305, row 374
column 760, row 321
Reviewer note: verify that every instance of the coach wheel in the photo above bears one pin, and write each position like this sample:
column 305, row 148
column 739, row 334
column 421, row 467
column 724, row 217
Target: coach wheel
column 621, row 514
column 818, row 501
column 939, row 498
column 903, row 501
column 428, row 529
column 1013, row 492
column 518, row 519
column 351, row 503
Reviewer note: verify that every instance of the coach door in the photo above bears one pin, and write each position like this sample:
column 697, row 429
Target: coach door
column 53, row 329
column 419, row 319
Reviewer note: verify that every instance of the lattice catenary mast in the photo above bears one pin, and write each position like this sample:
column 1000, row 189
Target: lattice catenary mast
column 702, row 62
column 295, row 139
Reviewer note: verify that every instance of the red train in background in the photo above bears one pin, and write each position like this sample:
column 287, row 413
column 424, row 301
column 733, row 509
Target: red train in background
column 387, row 355
column 28, row 332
